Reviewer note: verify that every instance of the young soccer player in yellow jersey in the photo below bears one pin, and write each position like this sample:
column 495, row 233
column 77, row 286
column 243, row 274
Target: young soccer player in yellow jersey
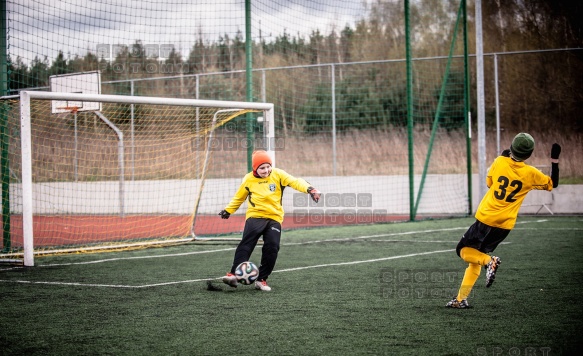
column 263, row 187
column 509, row 179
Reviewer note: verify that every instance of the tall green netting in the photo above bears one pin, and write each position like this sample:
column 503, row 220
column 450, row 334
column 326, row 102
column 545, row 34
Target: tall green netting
column 438, row 109
column 336, row 72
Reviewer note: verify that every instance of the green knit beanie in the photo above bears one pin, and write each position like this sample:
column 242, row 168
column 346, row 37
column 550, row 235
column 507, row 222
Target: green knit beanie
column 522, row 146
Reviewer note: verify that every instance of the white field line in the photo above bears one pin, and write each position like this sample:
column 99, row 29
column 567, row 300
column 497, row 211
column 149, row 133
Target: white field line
column 217, row 278
column 417, row 241
column 550, row 228
column 233, row 248
column 363, row 261
column 138, row 257
column 230, row 249
column 379, row 235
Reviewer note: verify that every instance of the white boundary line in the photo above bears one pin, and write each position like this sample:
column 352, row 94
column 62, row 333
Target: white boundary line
column 379, row 235
column 137, row 258
column 277, row 271
column 363, row 261
column 233, row 248
column 210, row 279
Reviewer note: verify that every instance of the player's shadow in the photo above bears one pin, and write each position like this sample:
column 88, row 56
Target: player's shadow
column 218, row 286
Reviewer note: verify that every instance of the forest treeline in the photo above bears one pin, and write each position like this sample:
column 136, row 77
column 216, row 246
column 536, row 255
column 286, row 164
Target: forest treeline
column 539, row 89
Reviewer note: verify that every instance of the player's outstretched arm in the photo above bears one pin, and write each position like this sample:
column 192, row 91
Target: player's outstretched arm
column 314, row 194
column 555, row 152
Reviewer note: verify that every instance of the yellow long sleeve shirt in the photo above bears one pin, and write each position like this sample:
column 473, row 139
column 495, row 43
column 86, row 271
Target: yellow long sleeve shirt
column 265, row 194
column 509, row 182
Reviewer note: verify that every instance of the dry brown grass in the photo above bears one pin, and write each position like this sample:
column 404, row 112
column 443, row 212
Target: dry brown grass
column 386, row 152
column 168, row 150
column 357, row 153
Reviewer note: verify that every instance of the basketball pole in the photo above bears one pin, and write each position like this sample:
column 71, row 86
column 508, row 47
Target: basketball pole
column 73, row 110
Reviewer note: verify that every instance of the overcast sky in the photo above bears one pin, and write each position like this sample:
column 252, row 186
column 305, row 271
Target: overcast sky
column 43, row 27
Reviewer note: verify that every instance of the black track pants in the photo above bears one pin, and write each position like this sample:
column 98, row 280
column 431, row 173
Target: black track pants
column 254, row 229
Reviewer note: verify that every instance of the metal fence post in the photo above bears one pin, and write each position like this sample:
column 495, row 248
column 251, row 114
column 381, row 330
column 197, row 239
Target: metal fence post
column 333, row 77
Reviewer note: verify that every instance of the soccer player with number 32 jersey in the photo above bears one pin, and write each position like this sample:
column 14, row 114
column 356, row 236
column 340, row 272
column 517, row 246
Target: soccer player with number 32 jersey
column 509, row 179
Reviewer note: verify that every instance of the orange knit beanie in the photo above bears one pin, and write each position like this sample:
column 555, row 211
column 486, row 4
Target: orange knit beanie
column 259, row 157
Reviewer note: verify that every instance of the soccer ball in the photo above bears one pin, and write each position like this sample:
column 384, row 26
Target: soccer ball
column 246, row 272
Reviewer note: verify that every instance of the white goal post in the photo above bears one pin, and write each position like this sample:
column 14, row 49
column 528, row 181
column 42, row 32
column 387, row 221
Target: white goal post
column 183, row 129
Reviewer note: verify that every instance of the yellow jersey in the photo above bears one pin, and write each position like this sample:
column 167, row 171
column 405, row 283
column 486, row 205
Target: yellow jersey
column 508, row 182
column 265, row 194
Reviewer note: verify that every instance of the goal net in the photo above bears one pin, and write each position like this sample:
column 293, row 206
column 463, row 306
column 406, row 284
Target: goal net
column 139, row 171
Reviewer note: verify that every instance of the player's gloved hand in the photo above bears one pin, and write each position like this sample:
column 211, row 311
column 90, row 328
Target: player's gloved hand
column 314, row 194
column 555, row 151
column 224, row 214
column 505, row 153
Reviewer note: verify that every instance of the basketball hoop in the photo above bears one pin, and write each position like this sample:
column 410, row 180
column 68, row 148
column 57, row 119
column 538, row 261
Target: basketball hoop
column 71, row 109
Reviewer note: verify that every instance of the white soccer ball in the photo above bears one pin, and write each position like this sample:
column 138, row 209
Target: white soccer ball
column 247, row 272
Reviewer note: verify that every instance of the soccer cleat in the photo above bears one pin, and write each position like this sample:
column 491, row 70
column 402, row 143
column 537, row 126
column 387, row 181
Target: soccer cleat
column 456, row 304
column 262, row 285
column 491, row 269
column 230, row 279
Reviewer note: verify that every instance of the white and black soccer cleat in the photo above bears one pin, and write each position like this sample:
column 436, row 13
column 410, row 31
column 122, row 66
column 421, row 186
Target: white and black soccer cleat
column 491, row 269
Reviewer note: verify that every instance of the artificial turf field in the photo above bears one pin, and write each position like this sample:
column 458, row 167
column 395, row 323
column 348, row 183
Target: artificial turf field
column 373, row 289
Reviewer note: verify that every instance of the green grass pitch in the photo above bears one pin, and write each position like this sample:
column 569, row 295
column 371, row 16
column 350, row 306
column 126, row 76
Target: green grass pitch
column 372, row 289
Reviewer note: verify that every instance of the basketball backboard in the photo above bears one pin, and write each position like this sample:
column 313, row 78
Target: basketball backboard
column 85, row 82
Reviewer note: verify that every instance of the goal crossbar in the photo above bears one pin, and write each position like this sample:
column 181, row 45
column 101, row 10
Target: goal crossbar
column 124, row 99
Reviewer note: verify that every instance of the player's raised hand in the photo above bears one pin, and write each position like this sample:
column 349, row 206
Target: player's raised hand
column 224, row 214
column 314, row 194
column 555, row 151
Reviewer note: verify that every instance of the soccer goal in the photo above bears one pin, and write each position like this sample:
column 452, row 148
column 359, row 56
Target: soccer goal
column 136, row 171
